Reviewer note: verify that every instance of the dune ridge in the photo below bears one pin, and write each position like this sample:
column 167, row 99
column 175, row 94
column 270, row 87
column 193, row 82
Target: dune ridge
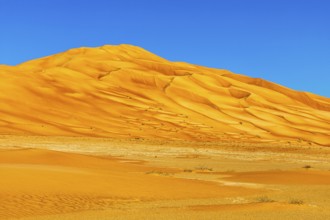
column 125, row 91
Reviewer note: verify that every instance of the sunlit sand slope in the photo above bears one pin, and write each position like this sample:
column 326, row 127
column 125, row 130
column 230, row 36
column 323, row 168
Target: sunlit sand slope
column 125, row 91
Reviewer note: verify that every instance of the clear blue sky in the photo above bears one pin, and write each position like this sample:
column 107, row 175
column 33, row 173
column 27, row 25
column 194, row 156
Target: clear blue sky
column 284, row 41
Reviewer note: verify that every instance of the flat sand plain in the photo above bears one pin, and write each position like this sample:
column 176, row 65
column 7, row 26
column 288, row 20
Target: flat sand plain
column 46, row 178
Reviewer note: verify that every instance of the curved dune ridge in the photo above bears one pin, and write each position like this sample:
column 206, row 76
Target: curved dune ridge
column 125, row 91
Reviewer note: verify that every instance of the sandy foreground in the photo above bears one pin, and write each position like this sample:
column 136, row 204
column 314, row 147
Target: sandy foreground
column 98, row 178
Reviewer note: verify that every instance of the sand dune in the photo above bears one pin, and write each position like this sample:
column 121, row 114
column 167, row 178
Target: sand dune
column 125, row 91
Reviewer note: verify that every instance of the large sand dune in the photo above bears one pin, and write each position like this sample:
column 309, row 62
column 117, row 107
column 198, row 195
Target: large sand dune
column 125, row 91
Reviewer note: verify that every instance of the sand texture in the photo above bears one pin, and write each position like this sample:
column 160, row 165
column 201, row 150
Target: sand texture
column 56, row 178
column 127, row 92
column 116, row 132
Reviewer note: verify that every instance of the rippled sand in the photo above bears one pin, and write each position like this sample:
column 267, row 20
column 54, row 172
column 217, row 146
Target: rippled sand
column 91, row 178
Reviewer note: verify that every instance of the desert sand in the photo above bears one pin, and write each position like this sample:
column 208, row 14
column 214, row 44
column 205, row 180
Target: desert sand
column 116, row 132
column 46, row 178
column 125, row 92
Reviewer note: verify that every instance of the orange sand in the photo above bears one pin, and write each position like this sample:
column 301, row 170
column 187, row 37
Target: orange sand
column 159, row 181
column 284, row 177
column 42, row 182
column 125, row 91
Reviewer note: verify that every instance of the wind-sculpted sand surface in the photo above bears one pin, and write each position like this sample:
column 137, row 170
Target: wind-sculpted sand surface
column 127, row 92
column 48, row 178
column 116, row 132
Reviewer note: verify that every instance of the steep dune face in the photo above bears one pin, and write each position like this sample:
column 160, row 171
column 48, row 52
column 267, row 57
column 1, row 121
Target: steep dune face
column 125, row 91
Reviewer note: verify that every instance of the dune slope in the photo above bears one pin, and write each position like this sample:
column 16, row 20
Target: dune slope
column 125, row 91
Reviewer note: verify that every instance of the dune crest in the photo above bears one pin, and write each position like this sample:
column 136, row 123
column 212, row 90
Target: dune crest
column 126, row 91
